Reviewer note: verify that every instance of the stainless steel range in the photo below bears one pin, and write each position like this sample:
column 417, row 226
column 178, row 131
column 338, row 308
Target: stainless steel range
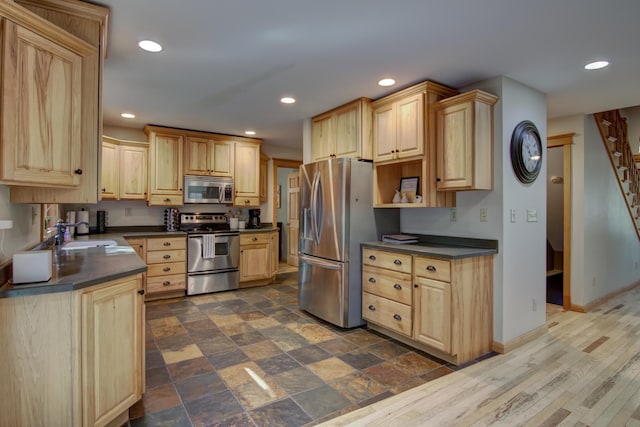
column 213, row 253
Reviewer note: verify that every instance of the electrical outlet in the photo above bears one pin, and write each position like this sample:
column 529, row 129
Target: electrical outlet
column 128, row 211
column 532, row 215
column 513, row 215
column 454, row 214
column 484, row 215
column 534, row 304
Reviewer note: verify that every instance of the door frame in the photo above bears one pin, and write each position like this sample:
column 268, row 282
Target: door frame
column 280, row 163
column 565, row 141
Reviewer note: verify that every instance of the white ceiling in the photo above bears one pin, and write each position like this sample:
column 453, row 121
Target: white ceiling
column 226, row 63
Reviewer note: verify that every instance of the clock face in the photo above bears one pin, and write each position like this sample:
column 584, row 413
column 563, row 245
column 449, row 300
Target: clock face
column 526, row 152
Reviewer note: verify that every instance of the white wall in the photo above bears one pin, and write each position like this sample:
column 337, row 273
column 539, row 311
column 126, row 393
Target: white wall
column 520, row 265
column 26, row 225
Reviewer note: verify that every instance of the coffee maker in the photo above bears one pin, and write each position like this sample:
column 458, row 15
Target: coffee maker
column 254, row 218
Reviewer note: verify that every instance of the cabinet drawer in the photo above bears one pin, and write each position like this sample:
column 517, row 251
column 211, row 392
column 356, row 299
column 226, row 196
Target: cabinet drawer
column 387, row 313
column 166, row 268
column 254, row 239
column 166, row 283
column 157, row 257
column 433, row 268
column 247, row 201
column 386, row 283
column 390, row 260
column 165, row 200
column 164, row 244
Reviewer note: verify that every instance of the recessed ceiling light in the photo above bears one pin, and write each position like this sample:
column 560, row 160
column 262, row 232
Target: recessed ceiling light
column 150, row 46
column 287, row 100
column 250, row 132
column 596, row 65
column 386, row 82
column 128, row 115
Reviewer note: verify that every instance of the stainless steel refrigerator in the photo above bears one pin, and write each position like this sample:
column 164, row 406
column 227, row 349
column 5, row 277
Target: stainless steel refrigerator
column 336, row 214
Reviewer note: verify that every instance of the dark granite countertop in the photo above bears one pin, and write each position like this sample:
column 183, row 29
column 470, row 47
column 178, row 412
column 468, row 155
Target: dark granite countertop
column 81, row 268
column 441, row 247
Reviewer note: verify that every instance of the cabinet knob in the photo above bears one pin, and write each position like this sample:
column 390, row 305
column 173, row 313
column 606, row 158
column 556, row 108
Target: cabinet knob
column 141, row 291
column 415, row 285
column 254, row 238
column 104, row 190
column 166, row 256
column 397, row 286
column 397, row 262
column 78, row 171
column 438, row 179
column 431, row 268
column 372, row 257
column 167, row 200
column 166, row 244
column 166, row 283
column 166, row 269
column 397, row 317
column 372, row 280
column 372, row 307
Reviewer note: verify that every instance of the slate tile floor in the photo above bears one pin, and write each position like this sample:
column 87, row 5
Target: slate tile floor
column 251, row 358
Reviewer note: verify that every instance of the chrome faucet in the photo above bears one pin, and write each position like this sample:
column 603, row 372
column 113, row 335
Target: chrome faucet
column 61, row 227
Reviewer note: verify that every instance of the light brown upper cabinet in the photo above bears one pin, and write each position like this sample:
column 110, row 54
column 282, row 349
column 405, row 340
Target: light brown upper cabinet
column 247, row 174
column 209, row 157
column 404, row 146
column 264, row 180
column 52, row 55
column 344, row 131
column 124, row 169
column 465, row 141
column 165, row 166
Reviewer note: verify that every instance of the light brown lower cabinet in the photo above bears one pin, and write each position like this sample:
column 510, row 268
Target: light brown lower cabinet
column 258, row 258
column 166, row 259
column 442, row 306
column 72, row 358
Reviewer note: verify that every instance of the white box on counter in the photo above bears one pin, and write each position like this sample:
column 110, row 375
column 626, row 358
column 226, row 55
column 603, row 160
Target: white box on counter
column 31, row 266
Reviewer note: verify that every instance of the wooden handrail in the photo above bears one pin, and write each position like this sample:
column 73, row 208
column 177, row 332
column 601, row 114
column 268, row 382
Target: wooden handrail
column 613, row 130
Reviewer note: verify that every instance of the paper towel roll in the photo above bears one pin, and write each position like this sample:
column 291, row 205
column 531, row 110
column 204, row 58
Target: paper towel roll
column 71, row 219
column 82, row 229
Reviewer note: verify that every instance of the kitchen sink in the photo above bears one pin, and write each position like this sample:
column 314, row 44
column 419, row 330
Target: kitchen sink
column 86, row 244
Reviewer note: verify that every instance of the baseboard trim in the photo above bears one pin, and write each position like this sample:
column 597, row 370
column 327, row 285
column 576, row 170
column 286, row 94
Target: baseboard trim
column 598, row 302
column 499, row 347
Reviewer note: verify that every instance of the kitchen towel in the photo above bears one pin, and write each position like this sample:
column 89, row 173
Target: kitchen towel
column 208, row 250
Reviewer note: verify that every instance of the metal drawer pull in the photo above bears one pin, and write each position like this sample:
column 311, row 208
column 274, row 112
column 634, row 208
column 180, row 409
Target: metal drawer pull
column 166, row 244
column 372, row 280
column 431, row 268
column 166, row 256
column 397, row 286
column 397, row 262
column 372, row 257
column 372, row 307
column 166, row 269
column 397, row 317
column 166, row 283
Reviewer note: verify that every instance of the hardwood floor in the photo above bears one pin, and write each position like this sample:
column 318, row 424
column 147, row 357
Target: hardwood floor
column 583, row 371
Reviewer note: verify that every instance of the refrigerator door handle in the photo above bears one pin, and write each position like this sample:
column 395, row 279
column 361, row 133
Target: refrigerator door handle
column 319, row 262
column 316, row 205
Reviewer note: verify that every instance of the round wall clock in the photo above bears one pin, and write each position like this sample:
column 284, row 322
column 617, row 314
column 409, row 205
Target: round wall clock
column 526, row 151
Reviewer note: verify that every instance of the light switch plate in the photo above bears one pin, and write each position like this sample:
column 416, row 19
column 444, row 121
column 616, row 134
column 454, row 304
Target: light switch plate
column 532, row 215
column 513, row 215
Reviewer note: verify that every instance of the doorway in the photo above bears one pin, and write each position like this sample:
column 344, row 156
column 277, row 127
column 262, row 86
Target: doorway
column 281, row 209
column 559, row 220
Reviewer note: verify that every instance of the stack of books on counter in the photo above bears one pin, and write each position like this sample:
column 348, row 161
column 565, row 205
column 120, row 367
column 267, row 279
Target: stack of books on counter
column 399, row 238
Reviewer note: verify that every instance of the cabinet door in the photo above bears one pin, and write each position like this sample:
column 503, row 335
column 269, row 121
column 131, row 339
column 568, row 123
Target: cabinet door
column 347, row 134
column 221, row 158
column 109, row 175
column 322, row 141
column 196, row 156
column 133, row 172
column 112, row 352
column 264, row 178
column 384, row 133
column 247, row 174
column 255, row 262
column 432, row 313
column 41, row 103
column 410, row 126
column 166, row 164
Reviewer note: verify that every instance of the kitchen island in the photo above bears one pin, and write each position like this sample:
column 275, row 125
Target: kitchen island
column 72, row 348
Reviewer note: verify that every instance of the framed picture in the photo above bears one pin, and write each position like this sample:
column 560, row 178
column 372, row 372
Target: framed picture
column 409, row 186
column 278, row 195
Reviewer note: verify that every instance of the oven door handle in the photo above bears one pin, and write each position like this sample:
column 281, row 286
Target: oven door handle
column 223, row 234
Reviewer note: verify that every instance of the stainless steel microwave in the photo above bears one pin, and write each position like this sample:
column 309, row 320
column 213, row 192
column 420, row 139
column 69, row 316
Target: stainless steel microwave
column 205, row 189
